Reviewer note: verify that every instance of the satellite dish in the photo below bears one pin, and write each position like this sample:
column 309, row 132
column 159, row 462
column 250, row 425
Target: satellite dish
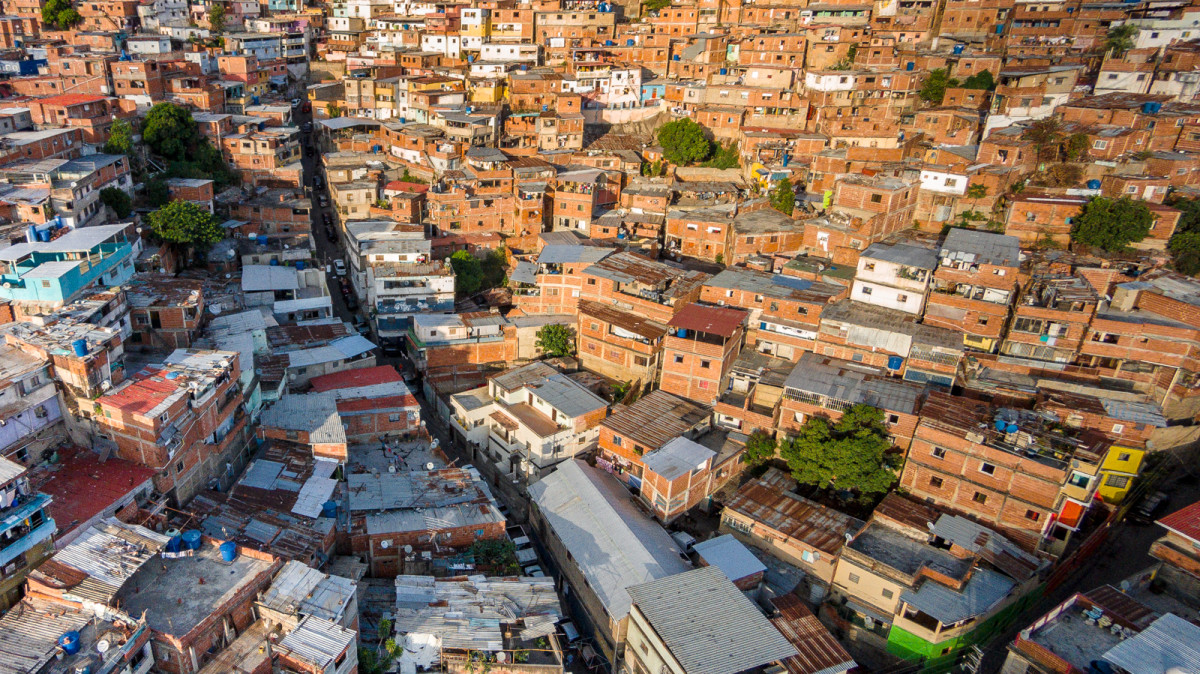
column 501, row 656
column 408, row 549
column 429, row 466
column 385, row 544
column 102, row 646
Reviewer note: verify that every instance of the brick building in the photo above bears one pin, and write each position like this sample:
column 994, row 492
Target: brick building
column 699, row 349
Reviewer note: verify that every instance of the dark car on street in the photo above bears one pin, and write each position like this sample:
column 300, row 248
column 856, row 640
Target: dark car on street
column 1150, row 508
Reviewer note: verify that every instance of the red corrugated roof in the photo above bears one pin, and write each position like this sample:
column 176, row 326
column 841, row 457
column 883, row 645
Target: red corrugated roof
column 82, row 486
column 143, row 395
column 70, row 99
column 382, row 374
column 721, row 321
column 401, row 186
column 1184, row 522
column 817, row 649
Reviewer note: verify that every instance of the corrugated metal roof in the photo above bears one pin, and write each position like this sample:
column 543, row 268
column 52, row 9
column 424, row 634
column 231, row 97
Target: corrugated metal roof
column 982, row 591
column 614, row 544
column 903, row 253
column 318, row 641
column 722, row 321
column 978, row 247
column 262, row 277
column 313, row 495
column 818, row 651
column 299, row 589
column 730, row 556
column 708, row 624
column 767, row 501
column 677, row 458
column 470, row 613
column 656, row 418
column 1169, row 644
column 558, row 253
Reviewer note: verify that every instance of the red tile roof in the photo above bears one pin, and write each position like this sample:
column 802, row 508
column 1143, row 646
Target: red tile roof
column 1184, row 522
column 383, row 374
column 143, row 395
column 70, row 99
column 82, row 486
column 721, row 321
column 401, row 186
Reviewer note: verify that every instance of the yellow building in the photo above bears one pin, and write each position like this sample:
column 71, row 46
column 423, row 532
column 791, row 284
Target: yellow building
column 1120, row 467
column 487, row 91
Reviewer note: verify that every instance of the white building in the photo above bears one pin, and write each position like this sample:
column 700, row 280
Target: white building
column 894, row 276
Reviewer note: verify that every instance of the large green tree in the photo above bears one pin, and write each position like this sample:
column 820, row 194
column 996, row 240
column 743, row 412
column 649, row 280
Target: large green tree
column 216, row 17
column 1185, row 247
column 1112, row 224
column 120, row 138
column 116, row 199
column 783, row 197
column 185, row 224
column 170, row 131
column 1046, row 135
column 556, row 340
column 852, row 454
column 760, row 448
column 1120, row 38
column 980, row 80
column 468, row 272
column 59, row 14
column 683, row 142
column 933, row 88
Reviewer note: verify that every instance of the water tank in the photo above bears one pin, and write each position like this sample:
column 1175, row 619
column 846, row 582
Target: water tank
column 69, row 642
column 274, row 262
column 895, row 362
column 329, row 509
column 910, row 66
column 1093, row 184
column 621, row 236
column 609, row 43
column 31, row 234
column 1000, row 425
column 1148, row 108
column 681, row 332
column 545, row 108
column 191, row 539
column 999, row 29
column 262, row 239
column 403, row 120
column 1011, row 428
column 229, row 551
column 376, row 149
column 173, row 374
column 724, row 71
column 43, row 235
column 299, row 264
column 958, row 49
column 629, row 42
column 675, row 57
column 80, row 347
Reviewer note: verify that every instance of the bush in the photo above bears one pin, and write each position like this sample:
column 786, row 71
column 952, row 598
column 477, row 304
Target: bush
column 1112, row 224
column 683, row 142
column 116, row 199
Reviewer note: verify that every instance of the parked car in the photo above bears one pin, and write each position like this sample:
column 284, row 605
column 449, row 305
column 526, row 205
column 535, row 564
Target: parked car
column 307, row 128
column 352, row 303
column 327, row 219
column 330, row 234
column 295, row 102
column 1150, row 508
column 339, row 267
column 307, row 107
column 323, row 200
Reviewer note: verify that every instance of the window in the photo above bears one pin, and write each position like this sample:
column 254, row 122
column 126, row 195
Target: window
column 678, row 359
column 179, row 467
column 1124, row 456
column 979, row 497
column 902, row 298
column 1081, row 480
column 866, row 290
column 704, row 364
column 888, row 594
column 876, row 198
column 1118, row 428
column 854, row 578
column 893, row 418
column 939, row 453
column 1117, row 481
column 617, row 440
column 393, row 418
column 1033, row 515
column 1100, row 145
column 936, row 482
column 987, row 468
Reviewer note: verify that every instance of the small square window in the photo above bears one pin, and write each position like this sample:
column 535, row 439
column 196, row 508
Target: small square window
column 987, row 468
column 888, row 594
column 854, row 578
column 1033, row 515
column 704, row 364
column 1118, row 428
column 678, row 359
column 1124, row 456
column 866, row 290
column 979, row 497
column 893, row 418
column 936, row 482
column 939, row 452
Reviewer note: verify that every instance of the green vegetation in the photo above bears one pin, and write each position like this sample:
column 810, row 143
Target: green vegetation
column 468, row 272
column 1046, row 135
column 120, row 138
column 60, row 14
column 723, row 157
column 1112, row 224
column 116, row 199
column 556, row 340
column 216, row 18
column 1120, row 38
column 854, row 454
column 683, row 142
column 379, row 660
column 499, row 555
column 407, row 177
column 980, row 80
column 1076, row 146
column 760, row 448
column 783, row 197
column 933, row 89
column 170, row 131
column 186, row 224
column 332, row 110
column 655, row 5
column 1185, row 243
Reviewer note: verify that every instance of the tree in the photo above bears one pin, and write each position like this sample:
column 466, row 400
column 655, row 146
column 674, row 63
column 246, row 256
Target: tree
column 1120, row 38
column 724, row 157
column 852, row 454
column 783, row 197
column 332, row 110
column 1076, row 146
column 187, row 225
column 216, row 17
column 407, row 177
column 980, row 80
column 116, row 199
column 655, row 5
column 683, row 141
column 1045, row 134
column 555, row 340
column 170, row 131
column 380, row 659
column 468, row 272
column 120, row 138
column 760, row 448
column 975, row 192
column 933, row 89
column 1112, row 224
column 59, row 14
column 1185, row 246
column 157, row 192
column 1189, row 220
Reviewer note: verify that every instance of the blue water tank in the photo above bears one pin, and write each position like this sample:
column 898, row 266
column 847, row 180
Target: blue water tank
column 329, row 509
column 910, row 66
column 724, row 71
column 69, row 642
column 1011, row 428
column 1093, row 184
column 173, row 374
column 609, row 43
column 404, row 120
column 621, row 236
column 262, row 239
column 681, row 332
column 274, row 262
column 470, row 58
column 1000, row 425
column 80, row 347
column 999, row 29
column 958, row 49
column 1148, row 108
column 43, row 235
column 254, row 100
column 376, row 149
column 545, row 108
column 191, row 539
column 786, row 158
column 299, row 264
column 229, row 551
column 895, row 362
column 675, row 57
column 629, row 42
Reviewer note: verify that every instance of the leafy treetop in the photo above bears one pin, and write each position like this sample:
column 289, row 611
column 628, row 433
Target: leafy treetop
column 1112, row 224
column 683, row 141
